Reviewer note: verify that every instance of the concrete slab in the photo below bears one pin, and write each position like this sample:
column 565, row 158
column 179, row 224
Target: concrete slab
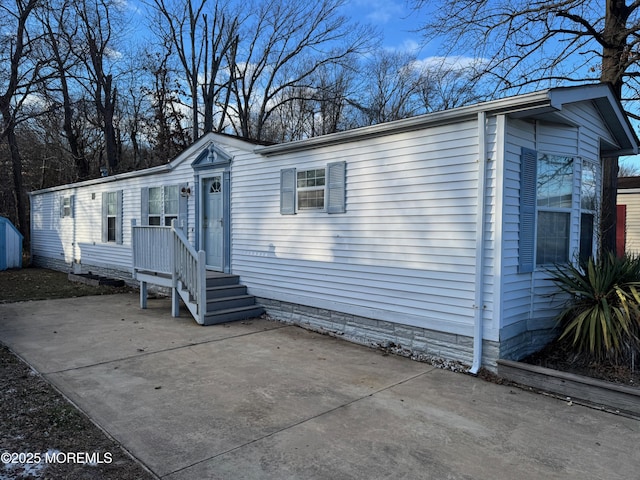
column 260, row 400
column 439, row 425
column 72, row 333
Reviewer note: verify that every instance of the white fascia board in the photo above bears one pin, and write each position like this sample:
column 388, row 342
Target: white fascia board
column 610, row 108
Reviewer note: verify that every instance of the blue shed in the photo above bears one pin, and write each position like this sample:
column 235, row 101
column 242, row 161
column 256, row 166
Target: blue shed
column 10, row 245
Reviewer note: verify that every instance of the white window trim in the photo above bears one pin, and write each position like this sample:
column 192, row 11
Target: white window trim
column 315, row 188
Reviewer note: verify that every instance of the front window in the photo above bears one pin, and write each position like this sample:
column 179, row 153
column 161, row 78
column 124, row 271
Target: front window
column 554, row 200
column 163, row 205
column 112, row 215
column 310, row 189
column 588, row 203
column 66, row 207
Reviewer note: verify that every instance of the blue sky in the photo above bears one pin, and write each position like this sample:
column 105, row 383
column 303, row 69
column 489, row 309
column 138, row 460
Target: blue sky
column 398, row 23
column 394, row 18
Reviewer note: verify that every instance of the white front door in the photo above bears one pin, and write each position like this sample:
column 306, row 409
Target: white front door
column 212, row 225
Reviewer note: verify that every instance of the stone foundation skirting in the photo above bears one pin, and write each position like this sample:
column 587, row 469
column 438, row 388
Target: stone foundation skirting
column 447, row 350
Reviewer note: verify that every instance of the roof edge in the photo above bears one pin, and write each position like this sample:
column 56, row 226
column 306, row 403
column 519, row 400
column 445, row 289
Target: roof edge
column 504, row 105
column 553, row 98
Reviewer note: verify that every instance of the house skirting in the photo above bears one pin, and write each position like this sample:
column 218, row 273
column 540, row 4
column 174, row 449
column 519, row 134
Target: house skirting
column 447, row 350
column 526, row 343
column 62, row 266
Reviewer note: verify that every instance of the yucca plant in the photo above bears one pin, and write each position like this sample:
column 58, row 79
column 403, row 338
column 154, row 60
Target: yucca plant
column 602, row 318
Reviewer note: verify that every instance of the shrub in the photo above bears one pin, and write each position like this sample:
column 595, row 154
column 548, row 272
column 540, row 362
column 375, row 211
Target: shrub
column 602, row 318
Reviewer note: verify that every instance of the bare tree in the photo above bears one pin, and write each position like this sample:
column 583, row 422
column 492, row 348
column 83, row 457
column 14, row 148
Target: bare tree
column 390, row 89
column 333, row 85
column 281, row 48
column 628, row 170
column 202, row 33
column 166, row 129
column 525, row 44
column 61, row 33
column 97, row 24
column 447, row 85
column 20, row 73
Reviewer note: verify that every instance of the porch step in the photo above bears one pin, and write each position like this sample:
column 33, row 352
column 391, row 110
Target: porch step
column 233, row 314
column 215, row 279
column 227, row 300
column 223, row 303
column 226, row 291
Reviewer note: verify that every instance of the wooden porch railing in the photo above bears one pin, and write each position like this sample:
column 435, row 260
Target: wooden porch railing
column 152, row 247
column 189, row 268
column 164, row 256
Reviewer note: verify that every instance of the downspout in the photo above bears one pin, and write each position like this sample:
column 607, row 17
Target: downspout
column 480, row 250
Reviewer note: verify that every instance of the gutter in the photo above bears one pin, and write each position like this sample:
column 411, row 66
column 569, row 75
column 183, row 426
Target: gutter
column 480, row 250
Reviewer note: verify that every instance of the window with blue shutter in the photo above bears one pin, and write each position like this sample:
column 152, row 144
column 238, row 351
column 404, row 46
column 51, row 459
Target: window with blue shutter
column 317, row 189
column 528, row 186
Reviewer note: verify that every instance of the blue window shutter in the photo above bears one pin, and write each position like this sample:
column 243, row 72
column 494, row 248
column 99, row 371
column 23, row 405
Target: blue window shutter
column 336, row 191
column 119, row 217
column 288, row 191
column 72, row 206
column 144, row 206
column 528, row 188
column 105, row 223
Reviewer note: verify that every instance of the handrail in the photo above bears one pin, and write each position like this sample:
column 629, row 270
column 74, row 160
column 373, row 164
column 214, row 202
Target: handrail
column 166, row 250
column 189, row 269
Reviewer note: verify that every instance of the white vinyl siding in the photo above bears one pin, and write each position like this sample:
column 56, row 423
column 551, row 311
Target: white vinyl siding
column 404, row 251
column 527, row 301
column 79, row 238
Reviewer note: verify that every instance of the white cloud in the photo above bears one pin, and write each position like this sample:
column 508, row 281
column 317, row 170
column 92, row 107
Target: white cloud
column 448, row 63
column 382, row 12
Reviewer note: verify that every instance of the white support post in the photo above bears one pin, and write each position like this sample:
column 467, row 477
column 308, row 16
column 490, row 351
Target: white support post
column 143, row 294
column 202, row 286
column 175, row 297
column 175, row 302
column 133, row 248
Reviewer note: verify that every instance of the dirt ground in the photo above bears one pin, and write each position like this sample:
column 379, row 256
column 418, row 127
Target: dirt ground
column 42, row 435
column 560, row 356
column 41, row 284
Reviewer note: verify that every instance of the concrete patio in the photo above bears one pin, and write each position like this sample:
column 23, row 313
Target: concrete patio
column 262, row 400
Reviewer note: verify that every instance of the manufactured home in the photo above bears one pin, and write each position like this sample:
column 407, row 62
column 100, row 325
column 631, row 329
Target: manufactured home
column 628, row 224
column 431, row 235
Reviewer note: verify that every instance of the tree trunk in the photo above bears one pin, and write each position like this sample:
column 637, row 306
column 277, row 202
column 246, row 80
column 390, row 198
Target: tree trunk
column 614, row 63
column 16, row 167
column 608, row 217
